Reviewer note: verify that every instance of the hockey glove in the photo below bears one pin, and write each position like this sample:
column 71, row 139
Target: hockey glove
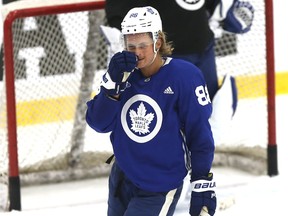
column 239, row 17
column 120, row 67
column 203, row 194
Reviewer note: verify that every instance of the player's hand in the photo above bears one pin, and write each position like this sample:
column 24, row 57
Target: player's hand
column 203, row 194
column 120, row 67
column 121, row 63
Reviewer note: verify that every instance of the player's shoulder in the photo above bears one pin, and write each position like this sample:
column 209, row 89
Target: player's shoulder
column 180, row 67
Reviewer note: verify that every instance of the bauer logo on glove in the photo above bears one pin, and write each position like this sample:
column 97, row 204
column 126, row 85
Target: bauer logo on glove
column 202, row 184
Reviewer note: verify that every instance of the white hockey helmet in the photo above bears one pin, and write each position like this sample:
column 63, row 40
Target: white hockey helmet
column 142, row 20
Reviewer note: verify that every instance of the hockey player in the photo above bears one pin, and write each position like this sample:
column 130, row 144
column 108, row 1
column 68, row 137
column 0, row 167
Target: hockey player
column 192, row 26
column 157, row 110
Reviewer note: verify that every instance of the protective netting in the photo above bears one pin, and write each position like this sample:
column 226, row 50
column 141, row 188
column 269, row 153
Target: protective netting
column 244, row 57
column 56, row 66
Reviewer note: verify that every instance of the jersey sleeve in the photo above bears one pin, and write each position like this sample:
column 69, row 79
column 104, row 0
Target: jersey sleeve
column 196, row 111
column 101, row 113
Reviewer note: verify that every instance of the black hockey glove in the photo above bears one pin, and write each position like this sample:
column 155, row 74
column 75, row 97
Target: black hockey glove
column 203, row 194
column 120, row 67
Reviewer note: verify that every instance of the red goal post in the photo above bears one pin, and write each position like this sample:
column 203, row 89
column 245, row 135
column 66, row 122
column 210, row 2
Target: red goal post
column 272, row 160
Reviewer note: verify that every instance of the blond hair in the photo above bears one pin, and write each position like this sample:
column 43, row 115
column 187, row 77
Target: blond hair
column 166, row 48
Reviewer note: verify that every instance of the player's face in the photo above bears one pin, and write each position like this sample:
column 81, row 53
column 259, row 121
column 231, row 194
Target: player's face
column 142, row 45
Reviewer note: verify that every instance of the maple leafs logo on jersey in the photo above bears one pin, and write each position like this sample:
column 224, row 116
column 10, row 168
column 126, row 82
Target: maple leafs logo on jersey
column 141, row 121
column 141, row 118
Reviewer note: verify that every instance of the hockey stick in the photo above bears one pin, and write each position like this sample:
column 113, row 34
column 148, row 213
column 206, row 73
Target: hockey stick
column 204, row 211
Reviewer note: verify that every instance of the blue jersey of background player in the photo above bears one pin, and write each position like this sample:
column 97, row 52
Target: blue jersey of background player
column 158, row 121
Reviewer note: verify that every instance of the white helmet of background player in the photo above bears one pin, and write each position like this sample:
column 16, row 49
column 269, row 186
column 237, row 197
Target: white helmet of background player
column 142, row 20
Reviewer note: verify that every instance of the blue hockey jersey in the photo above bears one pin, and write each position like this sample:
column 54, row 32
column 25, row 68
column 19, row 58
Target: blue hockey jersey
column 156, row 124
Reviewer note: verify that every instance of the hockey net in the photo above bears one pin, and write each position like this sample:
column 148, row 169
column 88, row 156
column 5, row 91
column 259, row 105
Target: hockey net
column 58, row 56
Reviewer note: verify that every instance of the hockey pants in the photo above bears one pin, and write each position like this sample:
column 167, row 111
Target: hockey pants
column 125, row 199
